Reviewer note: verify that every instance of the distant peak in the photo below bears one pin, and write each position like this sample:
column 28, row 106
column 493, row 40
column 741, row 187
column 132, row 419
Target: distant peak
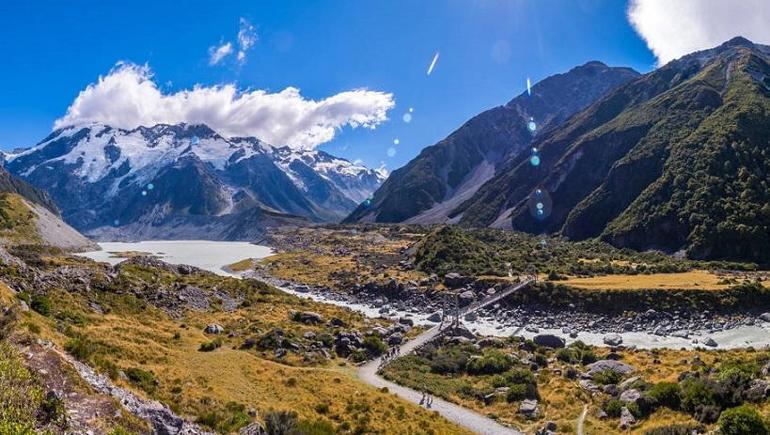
column 594, row 64
column 738, row 41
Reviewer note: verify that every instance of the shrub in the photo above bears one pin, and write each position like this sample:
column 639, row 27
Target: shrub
column 665, row 394
column 82, row 349
column 697, row 392
column 606, row 377
column 742, row 420
column 322, row 408
column 613, row 407
column 51, row 409
column 41, row 304
column 567, row 355
column 707, row 413
column 588, row 357
column 225, row 420
column 541, row 360
column 211, row 345
column 676, row 429
column 280, row 422
column 142, row 379
column 314, row 427
column 449, row 361
column 490, row 363
column 519, row 392
column 520, row 376
column 374, row 346
column 20, row 395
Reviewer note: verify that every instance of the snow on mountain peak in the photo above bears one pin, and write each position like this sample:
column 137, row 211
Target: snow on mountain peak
column 96, row 151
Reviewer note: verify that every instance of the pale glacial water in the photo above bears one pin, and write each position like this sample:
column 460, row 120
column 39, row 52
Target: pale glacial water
column 204, row 254
column 213, row 256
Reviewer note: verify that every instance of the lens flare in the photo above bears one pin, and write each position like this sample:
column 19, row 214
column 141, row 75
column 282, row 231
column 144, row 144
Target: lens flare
column 144, row 193
column 407, row 117
column 529, row 87
column 433, row 63
column 540, row 204
column 534, row 160
column 531, row 126
column 396, row 141
column 150, row 186
column 391, row 152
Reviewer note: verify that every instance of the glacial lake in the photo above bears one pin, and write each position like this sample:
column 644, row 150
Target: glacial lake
column 204, row 254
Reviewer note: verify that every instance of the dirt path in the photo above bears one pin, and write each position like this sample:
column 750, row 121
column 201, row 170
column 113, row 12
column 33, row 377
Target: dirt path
column 464, row 417
column 581, row 420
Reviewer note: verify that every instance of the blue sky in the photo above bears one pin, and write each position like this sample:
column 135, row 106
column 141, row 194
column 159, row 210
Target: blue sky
column 488, row 48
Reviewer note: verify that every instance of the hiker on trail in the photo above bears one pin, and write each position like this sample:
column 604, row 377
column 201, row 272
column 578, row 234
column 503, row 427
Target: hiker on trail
column 422, row 400
column 430, row 400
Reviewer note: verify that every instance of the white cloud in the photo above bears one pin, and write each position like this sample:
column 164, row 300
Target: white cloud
column 128, row 97
column 217, row 53
column 247, row 37
column 675, row 28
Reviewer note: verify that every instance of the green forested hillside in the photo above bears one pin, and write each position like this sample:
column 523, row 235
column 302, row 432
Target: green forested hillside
column 675, row 160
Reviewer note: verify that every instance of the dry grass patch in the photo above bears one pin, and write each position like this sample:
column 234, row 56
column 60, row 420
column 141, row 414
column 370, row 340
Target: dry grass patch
column 693, row 280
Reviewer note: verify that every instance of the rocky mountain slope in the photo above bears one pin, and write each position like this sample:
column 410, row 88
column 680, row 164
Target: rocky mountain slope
column 187, row 181
column 677, row 159
column 444, row 175
column 29, row 216
column 11, row 184
column 23, row 222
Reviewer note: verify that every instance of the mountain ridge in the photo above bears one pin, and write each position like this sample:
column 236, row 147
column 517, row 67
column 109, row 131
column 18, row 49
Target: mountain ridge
column 445, row 174
column 609, row 172
column 106, row 177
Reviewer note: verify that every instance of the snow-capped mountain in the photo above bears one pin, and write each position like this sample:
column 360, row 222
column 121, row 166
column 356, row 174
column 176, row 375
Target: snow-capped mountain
column 173, row 180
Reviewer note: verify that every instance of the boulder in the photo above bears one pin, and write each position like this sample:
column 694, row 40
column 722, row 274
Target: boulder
column 765, row 317
column 710, row 342
column 457, row 340
column 214, row 329
column 308, row 317
column 625, row 385
column 462, row 331
column 435, row 317
column 490, row 342
column 471, row 317
column 549, row 340
column 466, row 298
column 529, row 408
column 631, row 396
column 337, row 322
column 626, row 418
column 612, row 340
column 406, row 321
column 454, row 280
column 589, row 385
column 606, row 364
column 758, row 390
column 380, row 331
